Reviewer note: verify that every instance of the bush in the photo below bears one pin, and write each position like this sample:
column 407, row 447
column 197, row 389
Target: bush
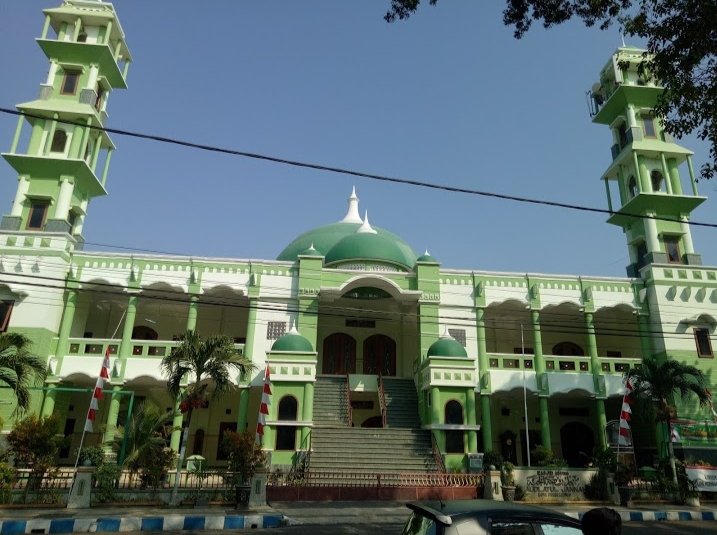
column 519, row 493
column 245, row 455
column 35, row 442
column 597, row 488
column 106, row 478
column 506, row 474
column 542, row 456
column 491, row 458
column 94, row 455
column 154, row 468
column 7, row 480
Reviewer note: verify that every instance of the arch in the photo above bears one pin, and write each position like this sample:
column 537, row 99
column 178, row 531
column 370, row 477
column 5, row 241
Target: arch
column 198, row 445
column 59, row 141
column 285, row 434
column 373, row 422
column 657, row 180
column 632, row 187
column 339, row 354
column 453, row 415
column 372, row 281
column 379, row 355
column 568, row 349
column 577, row 441
column 143, row 332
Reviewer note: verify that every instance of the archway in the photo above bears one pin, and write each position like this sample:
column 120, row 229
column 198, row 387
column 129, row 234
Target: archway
column 286, row 435
column 577, row 441
column 142, row 332
column 568, row 349
column 379, row 355
column 453, row 413
column 339, row 355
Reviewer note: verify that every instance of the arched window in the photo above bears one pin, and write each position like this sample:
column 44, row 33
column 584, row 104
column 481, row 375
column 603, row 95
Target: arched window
column 657, row 181
column 568, row 349
column 339, row 355
column 632, row 186
column 59, row 140
column 82, row 38
column 198, row 445
column 379, row 355
column 453, row 415
column 142, row 332
column 285, row 434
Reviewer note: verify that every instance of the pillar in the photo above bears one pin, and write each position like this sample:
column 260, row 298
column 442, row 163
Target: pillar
column 16, row 137
column 92, row 78
column 45, row 27
column 68, row 315
column 653, row 244
column 243, row 409
column 50, row 135
column 95, row 154
column 645, row 183
column 23, row 185
column 643, row 327
column 471, row 420
column 307, row 414
column 34, row 148
column 483, row 371
column 126, row 344
column 691, row 169
column 192, row 313
column 250, row 329
column 48, row 404
column 686, row 235
column 607, row 193
column 62, row 210
column 666, row 174
column 601, row 420
column 75, row 143
column 176, row 438
column 675, row 177
column 106, row 166
column 436, row 417
column 112, row 415
column 51, row 73
column 541, row 377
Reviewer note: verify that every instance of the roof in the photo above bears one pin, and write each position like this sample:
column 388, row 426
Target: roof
column 447, row 347
column 292, row 342
column 380, row 247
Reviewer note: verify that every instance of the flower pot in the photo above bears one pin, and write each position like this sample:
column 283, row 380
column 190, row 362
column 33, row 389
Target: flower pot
column 508, row 493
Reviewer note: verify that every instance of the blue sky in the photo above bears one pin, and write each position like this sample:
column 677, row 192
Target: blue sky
column 448, row 96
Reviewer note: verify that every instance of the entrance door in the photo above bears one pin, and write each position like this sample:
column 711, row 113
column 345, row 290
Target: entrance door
column 339, row 357
column 379, row 355
column 577, row 441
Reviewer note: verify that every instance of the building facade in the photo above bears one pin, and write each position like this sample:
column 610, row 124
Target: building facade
column 359, row 332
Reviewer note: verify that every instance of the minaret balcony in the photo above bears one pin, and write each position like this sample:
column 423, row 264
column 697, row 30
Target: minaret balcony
column 53, row 167
column 660, row 203
column 86, row 54
column 74, row 111
column 605, row 112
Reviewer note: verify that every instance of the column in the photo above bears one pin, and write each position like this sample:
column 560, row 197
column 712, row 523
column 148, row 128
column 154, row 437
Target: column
column 307, row 414
column 666, row 173
column 51, row 73
column 192, row 313
column 126, row 344
column 243, row 409
column 601, row 420
column 471, row 420
column 68, row 315
column 686, row 235
column 23, row 185
column 62, row 210
column 50, row 135
column 653, row 244
column 108, row 31
column 48, row 404
column 107, row 166
column 436, row 417
column 75, row 143
column 542, row 378
column 675, row 177
column 85, row 140
column 483, row 374
column 607, row 193
column 112, row 414
column 78, row 27
column 176, row 438
column 691, row 169
column 95, row 153
column 645, row 183
column 643, row 327
column 45, row 27
column 80, row 222
column 35, row 148
column 250, row 329
column 16, row 137
column 92, row 78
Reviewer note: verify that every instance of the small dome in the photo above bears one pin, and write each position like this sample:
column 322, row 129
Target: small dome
column 447, row 347
column 293, row 342
column 426, row 257
column 311, row 251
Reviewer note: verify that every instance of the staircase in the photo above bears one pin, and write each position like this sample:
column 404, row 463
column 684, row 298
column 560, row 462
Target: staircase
column 401, row 403
column 349, row 455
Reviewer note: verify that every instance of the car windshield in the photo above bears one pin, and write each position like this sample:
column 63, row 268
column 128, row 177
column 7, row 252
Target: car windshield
column 419, row 525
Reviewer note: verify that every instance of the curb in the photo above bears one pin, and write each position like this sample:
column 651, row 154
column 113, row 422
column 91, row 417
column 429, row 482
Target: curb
column 652, row 516
column 140, row 523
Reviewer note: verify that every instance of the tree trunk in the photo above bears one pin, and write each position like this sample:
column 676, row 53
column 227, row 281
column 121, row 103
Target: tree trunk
column 671, row 452
column 180, row 458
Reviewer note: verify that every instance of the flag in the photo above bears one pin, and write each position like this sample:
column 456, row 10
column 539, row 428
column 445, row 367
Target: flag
column 264, row 405
column 625, row 435
column 103, row 378
column 674, row 435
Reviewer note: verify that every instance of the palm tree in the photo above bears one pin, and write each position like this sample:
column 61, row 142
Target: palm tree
column 145, row 432
column 658, row 383
column 20, row 369
column 205, row 365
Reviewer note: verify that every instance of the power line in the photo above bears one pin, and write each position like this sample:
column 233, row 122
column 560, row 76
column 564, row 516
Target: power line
column 352, row 172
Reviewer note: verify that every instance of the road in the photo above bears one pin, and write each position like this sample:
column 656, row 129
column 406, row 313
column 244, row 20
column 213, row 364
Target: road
column 629, row 528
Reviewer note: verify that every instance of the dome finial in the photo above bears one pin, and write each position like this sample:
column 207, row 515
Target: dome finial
column 366, row 228
column 352, row 214
column 446, row 333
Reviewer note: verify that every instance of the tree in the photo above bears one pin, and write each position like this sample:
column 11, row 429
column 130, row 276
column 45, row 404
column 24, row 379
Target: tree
column 20, row 369
column 681, row 50
column 144, row 434
column 658, row 383
column 205, row 365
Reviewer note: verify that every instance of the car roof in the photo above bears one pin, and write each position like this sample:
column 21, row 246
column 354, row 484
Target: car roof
column 446, row 511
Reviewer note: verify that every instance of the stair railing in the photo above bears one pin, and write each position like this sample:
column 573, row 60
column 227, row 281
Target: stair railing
column 349, row 408
column 300, row 464
column 437, row 454
column 382, row 400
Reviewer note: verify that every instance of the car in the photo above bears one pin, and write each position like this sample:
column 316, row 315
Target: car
column 486, row 517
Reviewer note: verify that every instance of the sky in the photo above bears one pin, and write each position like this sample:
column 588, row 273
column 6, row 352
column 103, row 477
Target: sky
column 449, row 97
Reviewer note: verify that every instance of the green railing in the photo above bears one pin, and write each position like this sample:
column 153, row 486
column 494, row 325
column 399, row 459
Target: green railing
column 554, row 363
column 139, row 348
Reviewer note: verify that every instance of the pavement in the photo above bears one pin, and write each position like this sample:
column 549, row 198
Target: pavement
column 30, row 520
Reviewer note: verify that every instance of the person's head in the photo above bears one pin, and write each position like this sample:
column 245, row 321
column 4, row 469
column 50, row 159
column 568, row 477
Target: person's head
column 601, row 521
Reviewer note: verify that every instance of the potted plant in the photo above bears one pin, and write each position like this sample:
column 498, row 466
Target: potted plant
column 507, row 481
column 624, row 474
column 92, row 456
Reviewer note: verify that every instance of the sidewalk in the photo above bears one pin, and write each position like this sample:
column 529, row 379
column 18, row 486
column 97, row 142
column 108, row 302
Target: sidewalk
column 147, row 518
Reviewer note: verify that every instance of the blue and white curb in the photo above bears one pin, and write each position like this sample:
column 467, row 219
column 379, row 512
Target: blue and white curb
column 140, row 523
column 653, row 516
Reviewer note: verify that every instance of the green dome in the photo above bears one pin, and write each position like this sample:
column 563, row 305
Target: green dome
column 323, row 239
column 447, row 347
column 292, row 342
column 311, row 251
column 426, row 257
column 380, row 247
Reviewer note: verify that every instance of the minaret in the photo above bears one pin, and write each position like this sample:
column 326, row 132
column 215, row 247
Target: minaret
column 645, row 166
column 61, row 166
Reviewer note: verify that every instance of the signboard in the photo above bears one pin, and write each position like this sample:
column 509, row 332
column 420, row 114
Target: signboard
column 695, row 433
column 704, row 477
column 553, row 484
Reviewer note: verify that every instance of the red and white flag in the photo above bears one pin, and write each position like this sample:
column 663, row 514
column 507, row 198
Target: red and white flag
column 674, row 435
column 103, row 378
column 625, row 434
column 264, row 405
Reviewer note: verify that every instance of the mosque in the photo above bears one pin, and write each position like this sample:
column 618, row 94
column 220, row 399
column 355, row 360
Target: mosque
column 381, row 359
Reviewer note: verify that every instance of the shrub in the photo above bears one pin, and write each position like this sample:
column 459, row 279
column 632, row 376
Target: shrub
column 597, row 488
column 106, row 477
column 7, row 480
column 154, row 466
column 506, row 474
column 35, row 442
column 519, row 493
column 245, row 455
column 491, row 458
column 94, row 455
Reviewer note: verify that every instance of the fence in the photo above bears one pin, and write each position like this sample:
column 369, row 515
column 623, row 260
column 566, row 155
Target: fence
column 368, row 479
